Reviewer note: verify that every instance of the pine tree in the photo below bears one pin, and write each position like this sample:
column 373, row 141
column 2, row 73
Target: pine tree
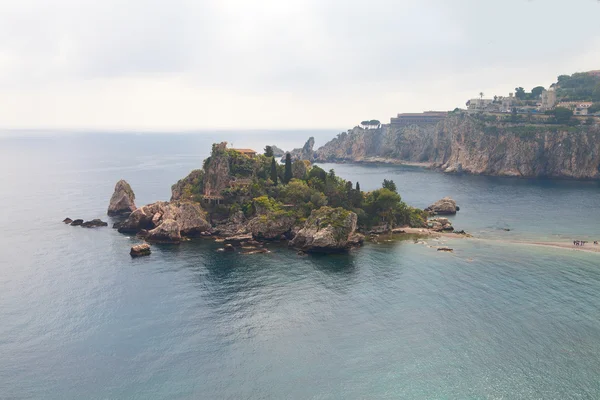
column 287, row 176
column 274, row 171
column 358, row 187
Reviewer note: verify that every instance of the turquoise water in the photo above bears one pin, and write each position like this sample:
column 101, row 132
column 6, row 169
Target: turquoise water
column 81, row 319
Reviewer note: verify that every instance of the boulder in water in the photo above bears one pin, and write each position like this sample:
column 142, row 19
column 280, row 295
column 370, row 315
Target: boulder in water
column 94, row 223
column 445, row 206
column 229, row 247
column 140, row 250
column 122, row 201
column 67, row 220
column 77, row 222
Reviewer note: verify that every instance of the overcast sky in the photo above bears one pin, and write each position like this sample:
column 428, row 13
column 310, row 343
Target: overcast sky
column 184, row 64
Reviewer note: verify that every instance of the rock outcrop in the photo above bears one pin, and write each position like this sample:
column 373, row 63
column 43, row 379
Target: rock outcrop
column 445, row 206
column 95, row 223
column 189, row 217
column 77, row 222
column 270, row 227
column 67, row 220
column 189, row 187
column 277, row 152
column 216, row 171
column 307, row 152
column 463, row 144
column 122, row 201
column 234, row 225
column 140, row 250
column 327, row 230
column 167, row 232
column 440, row 225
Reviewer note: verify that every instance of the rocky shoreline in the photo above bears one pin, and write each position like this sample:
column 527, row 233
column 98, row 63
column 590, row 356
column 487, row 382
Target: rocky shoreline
column 462, row 143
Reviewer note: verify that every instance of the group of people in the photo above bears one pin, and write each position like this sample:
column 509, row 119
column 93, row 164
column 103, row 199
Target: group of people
column 582, row 242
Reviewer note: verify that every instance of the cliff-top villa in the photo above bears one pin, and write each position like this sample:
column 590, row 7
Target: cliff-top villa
column 246, row 152
column 424, row 118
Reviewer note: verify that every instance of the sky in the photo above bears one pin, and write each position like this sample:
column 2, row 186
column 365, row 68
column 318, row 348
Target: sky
column 276, row 64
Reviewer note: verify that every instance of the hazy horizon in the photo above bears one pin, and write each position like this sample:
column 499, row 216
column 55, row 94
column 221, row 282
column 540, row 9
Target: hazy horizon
column 270, row 65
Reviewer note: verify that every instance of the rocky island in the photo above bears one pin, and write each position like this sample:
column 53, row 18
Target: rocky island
column 245, row 199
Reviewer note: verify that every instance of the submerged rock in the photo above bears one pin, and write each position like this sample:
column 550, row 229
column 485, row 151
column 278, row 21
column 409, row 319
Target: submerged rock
column 237, row 239
column 122, row 201
column 94, row 223
column 229, row 247
column 447, row 249
column 256, row 251
column 327, row 230
column 140, row 250
column 445, row 206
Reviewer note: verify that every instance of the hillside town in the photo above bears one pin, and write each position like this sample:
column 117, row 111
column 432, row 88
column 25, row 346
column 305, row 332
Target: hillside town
column 573, row 99
column 577, row 93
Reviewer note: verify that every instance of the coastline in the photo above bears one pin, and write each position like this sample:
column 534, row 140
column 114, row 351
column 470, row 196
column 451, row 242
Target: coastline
column 588, row 248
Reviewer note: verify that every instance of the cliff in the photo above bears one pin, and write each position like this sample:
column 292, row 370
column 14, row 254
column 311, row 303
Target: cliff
column 464, row 144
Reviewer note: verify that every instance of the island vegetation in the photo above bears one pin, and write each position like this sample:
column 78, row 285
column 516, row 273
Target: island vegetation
column 261, row 185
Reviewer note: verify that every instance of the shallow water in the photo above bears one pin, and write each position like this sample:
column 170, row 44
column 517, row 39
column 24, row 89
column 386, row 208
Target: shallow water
column 81, row 319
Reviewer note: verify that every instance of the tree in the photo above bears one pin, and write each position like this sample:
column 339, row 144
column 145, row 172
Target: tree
column 268, row 151
column 594, row 108
column 384, row 203
column 287, row 176
column 389, row 185
column 375, row 123
column 273, row 170
column 562, row 115
column 357, row 187
column 520, row 93
column 589, row 121
column 513, row 114
column 481, row 95
column 536, row 92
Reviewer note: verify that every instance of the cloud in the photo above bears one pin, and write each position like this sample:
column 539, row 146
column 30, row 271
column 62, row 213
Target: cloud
column 272, row 63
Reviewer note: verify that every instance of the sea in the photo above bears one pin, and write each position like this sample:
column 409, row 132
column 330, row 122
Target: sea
column 498, row 318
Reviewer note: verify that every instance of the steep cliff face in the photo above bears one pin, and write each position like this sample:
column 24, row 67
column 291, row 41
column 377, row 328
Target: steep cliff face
column 462, row 144
column 216, row 175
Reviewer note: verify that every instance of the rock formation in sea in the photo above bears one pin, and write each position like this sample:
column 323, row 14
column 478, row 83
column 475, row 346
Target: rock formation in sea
column 168, row 231
column 445, row 206
column 122, row 201
column 440, row 225
column 277, row 152
column 270, row 227
column 307, row 151
column 185, row 219
column 140, row 250
column 95, row 223
column 327, row 230
column 462, row 143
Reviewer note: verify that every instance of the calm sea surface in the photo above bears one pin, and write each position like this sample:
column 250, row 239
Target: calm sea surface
column 79, row 319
